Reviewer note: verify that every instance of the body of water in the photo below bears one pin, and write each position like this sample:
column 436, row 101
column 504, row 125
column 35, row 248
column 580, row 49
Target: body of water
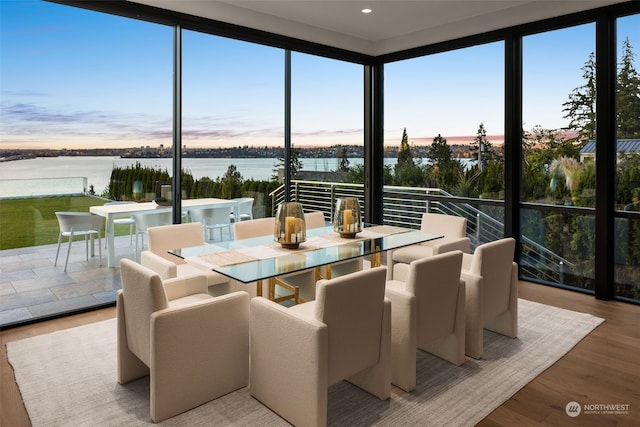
column 44, row 175
column 46, row 172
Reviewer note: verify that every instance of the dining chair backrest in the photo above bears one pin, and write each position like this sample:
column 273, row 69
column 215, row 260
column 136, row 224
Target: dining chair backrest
column 213, row 216
column 245, row 208
column 74, row 224
column 450, row 226
column 253, row 228
column 435, row 282
column 491, row 280
column 130, row 221
column 145, row 294
column 78, row 222
column 146, row 220
column 352, row 307
column 314, row 219
column 174, row 236
column 493, row 262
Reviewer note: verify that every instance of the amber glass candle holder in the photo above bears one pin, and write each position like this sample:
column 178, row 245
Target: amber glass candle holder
column 347, row 220
column 291, row 229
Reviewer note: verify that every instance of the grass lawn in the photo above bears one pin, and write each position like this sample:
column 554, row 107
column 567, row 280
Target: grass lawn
column 32, row 222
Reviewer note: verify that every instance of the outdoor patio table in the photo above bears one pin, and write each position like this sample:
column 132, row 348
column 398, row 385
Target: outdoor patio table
column 111, row 212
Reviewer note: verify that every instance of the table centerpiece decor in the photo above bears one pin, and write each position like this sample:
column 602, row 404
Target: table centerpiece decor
column 347, row 220
column 290, row 229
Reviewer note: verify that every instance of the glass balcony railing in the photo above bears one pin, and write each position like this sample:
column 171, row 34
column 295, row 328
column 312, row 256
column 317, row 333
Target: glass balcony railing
column 16, row 188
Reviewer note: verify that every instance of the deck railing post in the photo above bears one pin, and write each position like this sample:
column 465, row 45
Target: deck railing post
column 333, row 199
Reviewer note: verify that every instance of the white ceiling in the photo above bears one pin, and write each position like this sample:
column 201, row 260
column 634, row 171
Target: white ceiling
column 393, row 25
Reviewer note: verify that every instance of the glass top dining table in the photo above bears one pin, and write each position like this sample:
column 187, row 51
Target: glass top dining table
column 259, row 258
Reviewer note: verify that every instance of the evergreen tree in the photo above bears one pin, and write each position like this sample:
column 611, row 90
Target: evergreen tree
column 232, row 173
column 440, row 152
column 296, row 163
column 581, row 107
column 481, row 145
column 628, row 95
column 405, row 156
column 407, row 172
column 444, row 172
column 343, row 161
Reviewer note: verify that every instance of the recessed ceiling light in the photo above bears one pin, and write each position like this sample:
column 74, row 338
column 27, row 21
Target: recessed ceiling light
column 366, row 11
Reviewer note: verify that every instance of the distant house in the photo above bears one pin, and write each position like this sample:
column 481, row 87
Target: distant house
column 624, row 146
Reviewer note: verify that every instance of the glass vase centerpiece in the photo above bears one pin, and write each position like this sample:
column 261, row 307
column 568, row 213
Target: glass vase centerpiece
column 290, row 229
column 347, row 220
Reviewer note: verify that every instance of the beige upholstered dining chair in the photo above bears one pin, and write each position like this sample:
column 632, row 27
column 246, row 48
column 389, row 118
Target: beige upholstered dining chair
column 428, row 312
column 491, row 279
column 194, row 347
column 301, row 285
column 454, row 230
column 298, row 352
column 75, row 224
column 176, row 236
column 314, row 219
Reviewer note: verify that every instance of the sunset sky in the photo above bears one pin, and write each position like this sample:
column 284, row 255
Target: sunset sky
column 71, row 78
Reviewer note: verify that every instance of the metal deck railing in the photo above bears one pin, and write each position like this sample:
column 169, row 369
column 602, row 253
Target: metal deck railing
column 404, row 206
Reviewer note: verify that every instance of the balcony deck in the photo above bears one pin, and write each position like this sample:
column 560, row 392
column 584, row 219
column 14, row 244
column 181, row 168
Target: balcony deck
column 31, row 287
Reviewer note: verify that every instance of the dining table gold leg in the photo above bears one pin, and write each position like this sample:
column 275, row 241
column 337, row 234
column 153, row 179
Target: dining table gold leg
column 376, row 258
column 272, row 289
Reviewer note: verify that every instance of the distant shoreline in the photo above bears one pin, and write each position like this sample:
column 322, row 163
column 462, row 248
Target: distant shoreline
column 348, row 151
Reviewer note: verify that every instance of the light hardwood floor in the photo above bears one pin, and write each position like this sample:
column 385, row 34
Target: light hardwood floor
column 604, row 368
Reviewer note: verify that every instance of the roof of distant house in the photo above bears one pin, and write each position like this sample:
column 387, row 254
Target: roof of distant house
column 624, row 145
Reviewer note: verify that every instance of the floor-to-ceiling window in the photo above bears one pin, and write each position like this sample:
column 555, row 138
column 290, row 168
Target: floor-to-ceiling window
column 232, row 118
column 444, row 136
column 627, row 201
column 326, row 131
column 82, row 94
column 558, row 183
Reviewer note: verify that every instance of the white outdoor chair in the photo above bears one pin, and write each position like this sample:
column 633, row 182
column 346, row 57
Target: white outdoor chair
column 130, row 221
column 73, row 224
column 144, row 221
column 454, row 230
column 427, row 312
column 491, row 279
column 300, row 284
column 298, row 352
column 218, row 217
column 194, row 347
column 245, row 209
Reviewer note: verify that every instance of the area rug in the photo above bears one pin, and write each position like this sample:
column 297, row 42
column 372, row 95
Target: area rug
column 68, row 378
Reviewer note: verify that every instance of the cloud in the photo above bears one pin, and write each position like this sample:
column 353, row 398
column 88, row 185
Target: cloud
column 93, row 127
